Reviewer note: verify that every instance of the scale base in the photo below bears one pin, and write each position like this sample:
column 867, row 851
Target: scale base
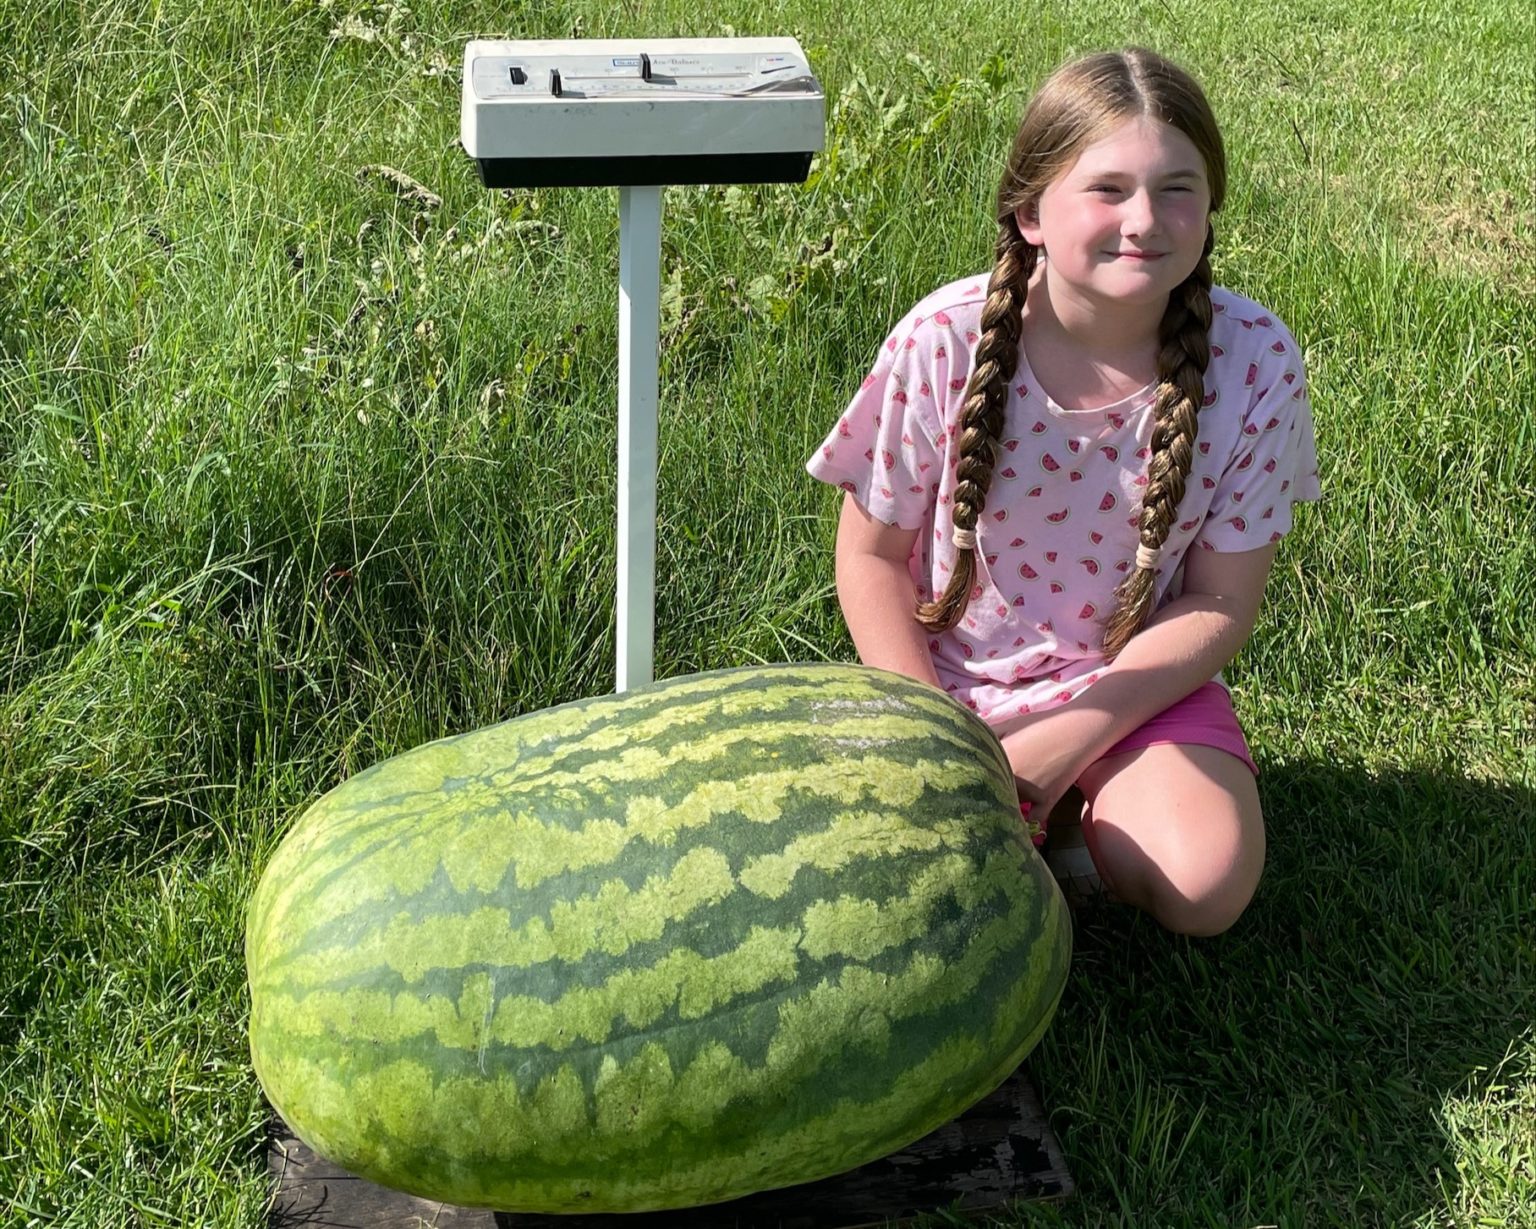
column 1000, row 1151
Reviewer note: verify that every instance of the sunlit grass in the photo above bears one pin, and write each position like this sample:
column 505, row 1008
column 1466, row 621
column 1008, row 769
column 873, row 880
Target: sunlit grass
column 296, row 473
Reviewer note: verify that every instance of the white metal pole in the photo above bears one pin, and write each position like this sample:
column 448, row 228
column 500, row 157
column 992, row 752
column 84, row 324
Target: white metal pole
column 639, row 340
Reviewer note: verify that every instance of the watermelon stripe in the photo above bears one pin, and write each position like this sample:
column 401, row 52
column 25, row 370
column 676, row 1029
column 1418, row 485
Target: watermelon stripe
column 673, row 738
column 610, row 919
column 693, row 984
column 483, row 852
column 854, row 834
column 848, row 845
column 587, row 1016
column 589, row 766
column 490, row 757
column 860, row 998
column 677, row 715
column 418, row 776
column 861, row 928
column 407, row 1102
column 583, row 789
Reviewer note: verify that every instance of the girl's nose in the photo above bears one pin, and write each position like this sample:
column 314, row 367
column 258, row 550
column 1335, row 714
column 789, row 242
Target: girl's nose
column 1139, row 217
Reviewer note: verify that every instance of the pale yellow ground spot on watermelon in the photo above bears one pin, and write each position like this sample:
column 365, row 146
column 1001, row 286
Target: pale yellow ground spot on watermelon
column 854, row 834
column 609, row 920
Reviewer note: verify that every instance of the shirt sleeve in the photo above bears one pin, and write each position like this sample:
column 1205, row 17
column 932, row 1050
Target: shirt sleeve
column 1275, row 461
column 887, row 448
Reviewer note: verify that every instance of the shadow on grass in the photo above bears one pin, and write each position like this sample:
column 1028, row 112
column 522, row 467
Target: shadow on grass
column 1307, row 1067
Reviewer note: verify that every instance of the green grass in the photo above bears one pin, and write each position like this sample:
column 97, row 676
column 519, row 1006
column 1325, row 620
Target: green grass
column 295, row 475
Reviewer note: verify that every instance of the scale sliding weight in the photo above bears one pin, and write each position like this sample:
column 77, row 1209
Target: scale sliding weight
column 638, row 114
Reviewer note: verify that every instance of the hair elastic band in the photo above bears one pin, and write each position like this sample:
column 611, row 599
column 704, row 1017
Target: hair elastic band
column 1147, row 556
column 965, row 539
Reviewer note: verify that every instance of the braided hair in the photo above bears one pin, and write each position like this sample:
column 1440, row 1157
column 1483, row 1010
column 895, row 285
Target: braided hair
column 981, row 417
column 1184, row 352
column 1079, row 103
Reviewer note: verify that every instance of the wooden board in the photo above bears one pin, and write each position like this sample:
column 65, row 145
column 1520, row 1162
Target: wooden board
column 998, row 1152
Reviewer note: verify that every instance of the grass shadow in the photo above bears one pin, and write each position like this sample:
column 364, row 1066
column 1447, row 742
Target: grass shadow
column 1317, row 1063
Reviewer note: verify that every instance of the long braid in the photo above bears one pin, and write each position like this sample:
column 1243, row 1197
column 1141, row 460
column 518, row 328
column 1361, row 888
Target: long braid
column 1184, row 353
column 981, row 419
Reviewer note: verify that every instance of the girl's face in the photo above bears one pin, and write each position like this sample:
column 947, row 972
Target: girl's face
column 1126, row 223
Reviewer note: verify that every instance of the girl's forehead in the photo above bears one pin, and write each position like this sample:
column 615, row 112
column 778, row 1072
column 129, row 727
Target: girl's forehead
column 1141, row 144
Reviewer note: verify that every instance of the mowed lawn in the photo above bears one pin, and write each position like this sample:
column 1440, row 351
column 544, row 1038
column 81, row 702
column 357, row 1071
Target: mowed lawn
column 298, row 470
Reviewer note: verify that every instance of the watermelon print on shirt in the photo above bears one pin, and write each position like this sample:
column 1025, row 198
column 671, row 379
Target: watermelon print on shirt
column 1058, row 533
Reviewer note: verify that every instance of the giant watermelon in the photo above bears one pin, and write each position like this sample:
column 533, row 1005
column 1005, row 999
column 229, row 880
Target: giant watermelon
column 727, row 932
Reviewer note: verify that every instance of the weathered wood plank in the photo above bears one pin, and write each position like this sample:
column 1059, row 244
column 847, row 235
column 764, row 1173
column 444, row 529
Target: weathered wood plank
column 998, row 1152
column 309, row 1191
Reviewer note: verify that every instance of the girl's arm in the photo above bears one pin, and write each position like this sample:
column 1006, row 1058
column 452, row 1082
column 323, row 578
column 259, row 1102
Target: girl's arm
column 1181, row 647
column 877, row 596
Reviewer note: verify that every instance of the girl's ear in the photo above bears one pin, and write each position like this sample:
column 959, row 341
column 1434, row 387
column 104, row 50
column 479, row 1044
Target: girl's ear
column 1027, row 219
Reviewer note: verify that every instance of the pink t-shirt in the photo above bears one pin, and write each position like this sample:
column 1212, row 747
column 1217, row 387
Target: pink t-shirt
column 1058, row 533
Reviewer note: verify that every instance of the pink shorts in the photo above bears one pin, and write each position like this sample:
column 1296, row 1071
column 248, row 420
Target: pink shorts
column 1204, row 717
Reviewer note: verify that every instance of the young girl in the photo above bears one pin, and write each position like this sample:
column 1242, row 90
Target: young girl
column 1065, row 482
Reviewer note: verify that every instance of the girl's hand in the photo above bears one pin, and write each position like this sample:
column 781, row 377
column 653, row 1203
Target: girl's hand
column 1045, row 764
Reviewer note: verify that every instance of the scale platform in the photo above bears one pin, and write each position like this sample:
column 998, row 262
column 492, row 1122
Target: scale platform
column 1000, row 1151
column 599, row 113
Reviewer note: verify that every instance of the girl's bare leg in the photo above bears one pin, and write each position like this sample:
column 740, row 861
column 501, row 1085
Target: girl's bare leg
column 1176, row 830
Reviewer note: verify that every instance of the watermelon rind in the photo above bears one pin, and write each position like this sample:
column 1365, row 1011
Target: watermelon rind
column 727, row 932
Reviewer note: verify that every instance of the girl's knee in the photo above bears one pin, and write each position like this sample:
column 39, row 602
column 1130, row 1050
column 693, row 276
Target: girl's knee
column 1179, row 833
column 1207, row 900
column 1202, row 917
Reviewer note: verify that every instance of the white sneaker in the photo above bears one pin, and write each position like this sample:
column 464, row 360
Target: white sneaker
column 1066, row 853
